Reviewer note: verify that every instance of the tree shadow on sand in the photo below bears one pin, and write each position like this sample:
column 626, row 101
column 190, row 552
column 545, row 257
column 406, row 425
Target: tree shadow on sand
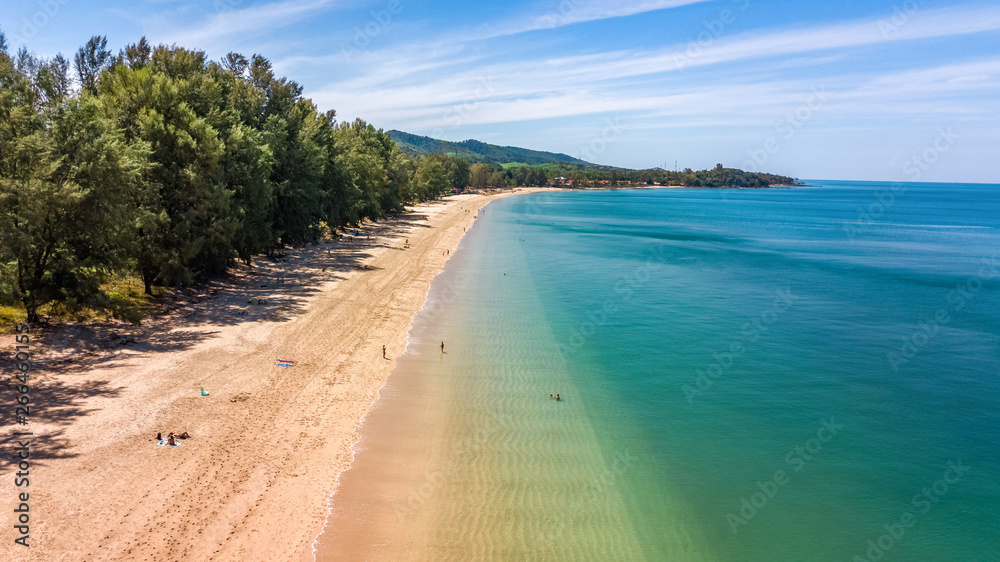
column 275, row 289
column 53, row 402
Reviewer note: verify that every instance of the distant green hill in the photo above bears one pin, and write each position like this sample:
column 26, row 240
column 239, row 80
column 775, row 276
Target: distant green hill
column 476, row 151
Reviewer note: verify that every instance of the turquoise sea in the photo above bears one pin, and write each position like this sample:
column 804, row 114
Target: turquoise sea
column 787, row 374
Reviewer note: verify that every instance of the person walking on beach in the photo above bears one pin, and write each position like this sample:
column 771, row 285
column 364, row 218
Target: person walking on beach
column 442, row 347
column 383, row 352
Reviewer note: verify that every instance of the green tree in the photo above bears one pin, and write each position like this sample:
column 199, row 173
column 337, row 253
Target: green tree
column 430, row 179
column 185, row 229
column 378, row 171
column 63, row 174
column 458, row 172
column 91, row 60
column 479, row 175
column 137, row 55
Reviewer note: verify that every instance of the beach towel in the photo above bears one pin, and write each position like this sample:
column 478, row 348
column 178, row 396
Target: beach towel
column 285, row 363
column 163, row 443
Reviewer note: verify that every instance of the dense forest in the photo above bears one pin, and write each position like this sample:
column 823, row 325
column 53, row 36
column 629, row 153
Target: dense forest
column 517, row 174
column 477, row 151
column 506, row 166
column 168, row 166
column 158, row 164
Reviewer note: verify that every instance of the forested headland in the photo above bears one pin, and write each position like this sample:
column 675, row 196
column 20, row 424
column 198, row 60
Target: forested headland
column 158, row 164
column 516, row 166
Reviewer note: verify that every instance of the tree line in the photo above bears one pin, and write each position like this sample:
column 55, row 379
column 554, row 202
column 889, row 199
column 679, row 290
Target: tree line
column 499, row 176
column 159, row 163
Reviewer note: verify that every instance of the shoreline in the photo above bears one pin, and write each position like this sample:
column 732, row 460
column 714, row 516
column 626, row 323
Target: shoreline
column 314, row 545
column 258, row 475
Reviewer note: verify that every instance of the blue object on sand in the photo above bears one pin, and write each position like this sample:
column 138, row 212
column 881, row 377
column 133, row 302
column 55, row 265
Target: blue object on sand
column 163, row 443
column 203, row 393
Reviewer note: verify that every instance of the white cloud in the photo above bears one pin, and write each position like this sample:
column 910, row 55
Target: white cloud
column 248, row 21
column 569, row 12
column 763, row 76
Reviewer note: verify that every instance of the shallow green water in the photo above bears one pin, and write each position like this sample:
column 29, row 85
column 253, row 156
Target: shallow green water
column 746, row 375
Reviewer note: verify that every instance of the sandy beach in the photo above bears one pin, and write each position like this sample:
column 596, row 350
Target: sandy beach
column 253, row 481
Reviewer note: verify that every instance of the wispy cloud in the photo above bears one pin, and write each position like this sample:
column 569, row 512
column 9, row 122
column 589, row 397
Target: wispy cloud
column 221, row 27
column 569, row 12
column 636, row 82
column 758, row 44
column 733, row 90
column 681, row 78
column 556, row 72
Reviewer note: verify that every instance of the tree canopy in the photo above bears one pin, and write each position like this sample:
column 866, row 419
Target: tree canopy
column 160, row 164
column 168, row 166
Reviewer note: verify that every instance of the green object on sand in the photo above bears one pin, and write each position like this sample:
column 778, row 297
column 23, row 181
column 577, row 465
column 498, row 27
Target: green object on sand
column 203, row 393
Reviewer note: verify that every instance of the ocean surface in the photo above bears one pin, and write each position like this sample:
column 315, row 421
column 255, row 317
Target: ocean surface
column 785, row 374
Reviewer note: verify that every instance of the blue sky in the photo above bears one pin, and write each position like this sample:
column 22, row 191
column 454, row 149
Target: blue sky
column 870, row 90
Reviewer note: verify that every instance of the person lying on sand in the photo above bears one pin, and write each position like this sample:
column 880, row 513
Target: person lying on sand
column 184, row 435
